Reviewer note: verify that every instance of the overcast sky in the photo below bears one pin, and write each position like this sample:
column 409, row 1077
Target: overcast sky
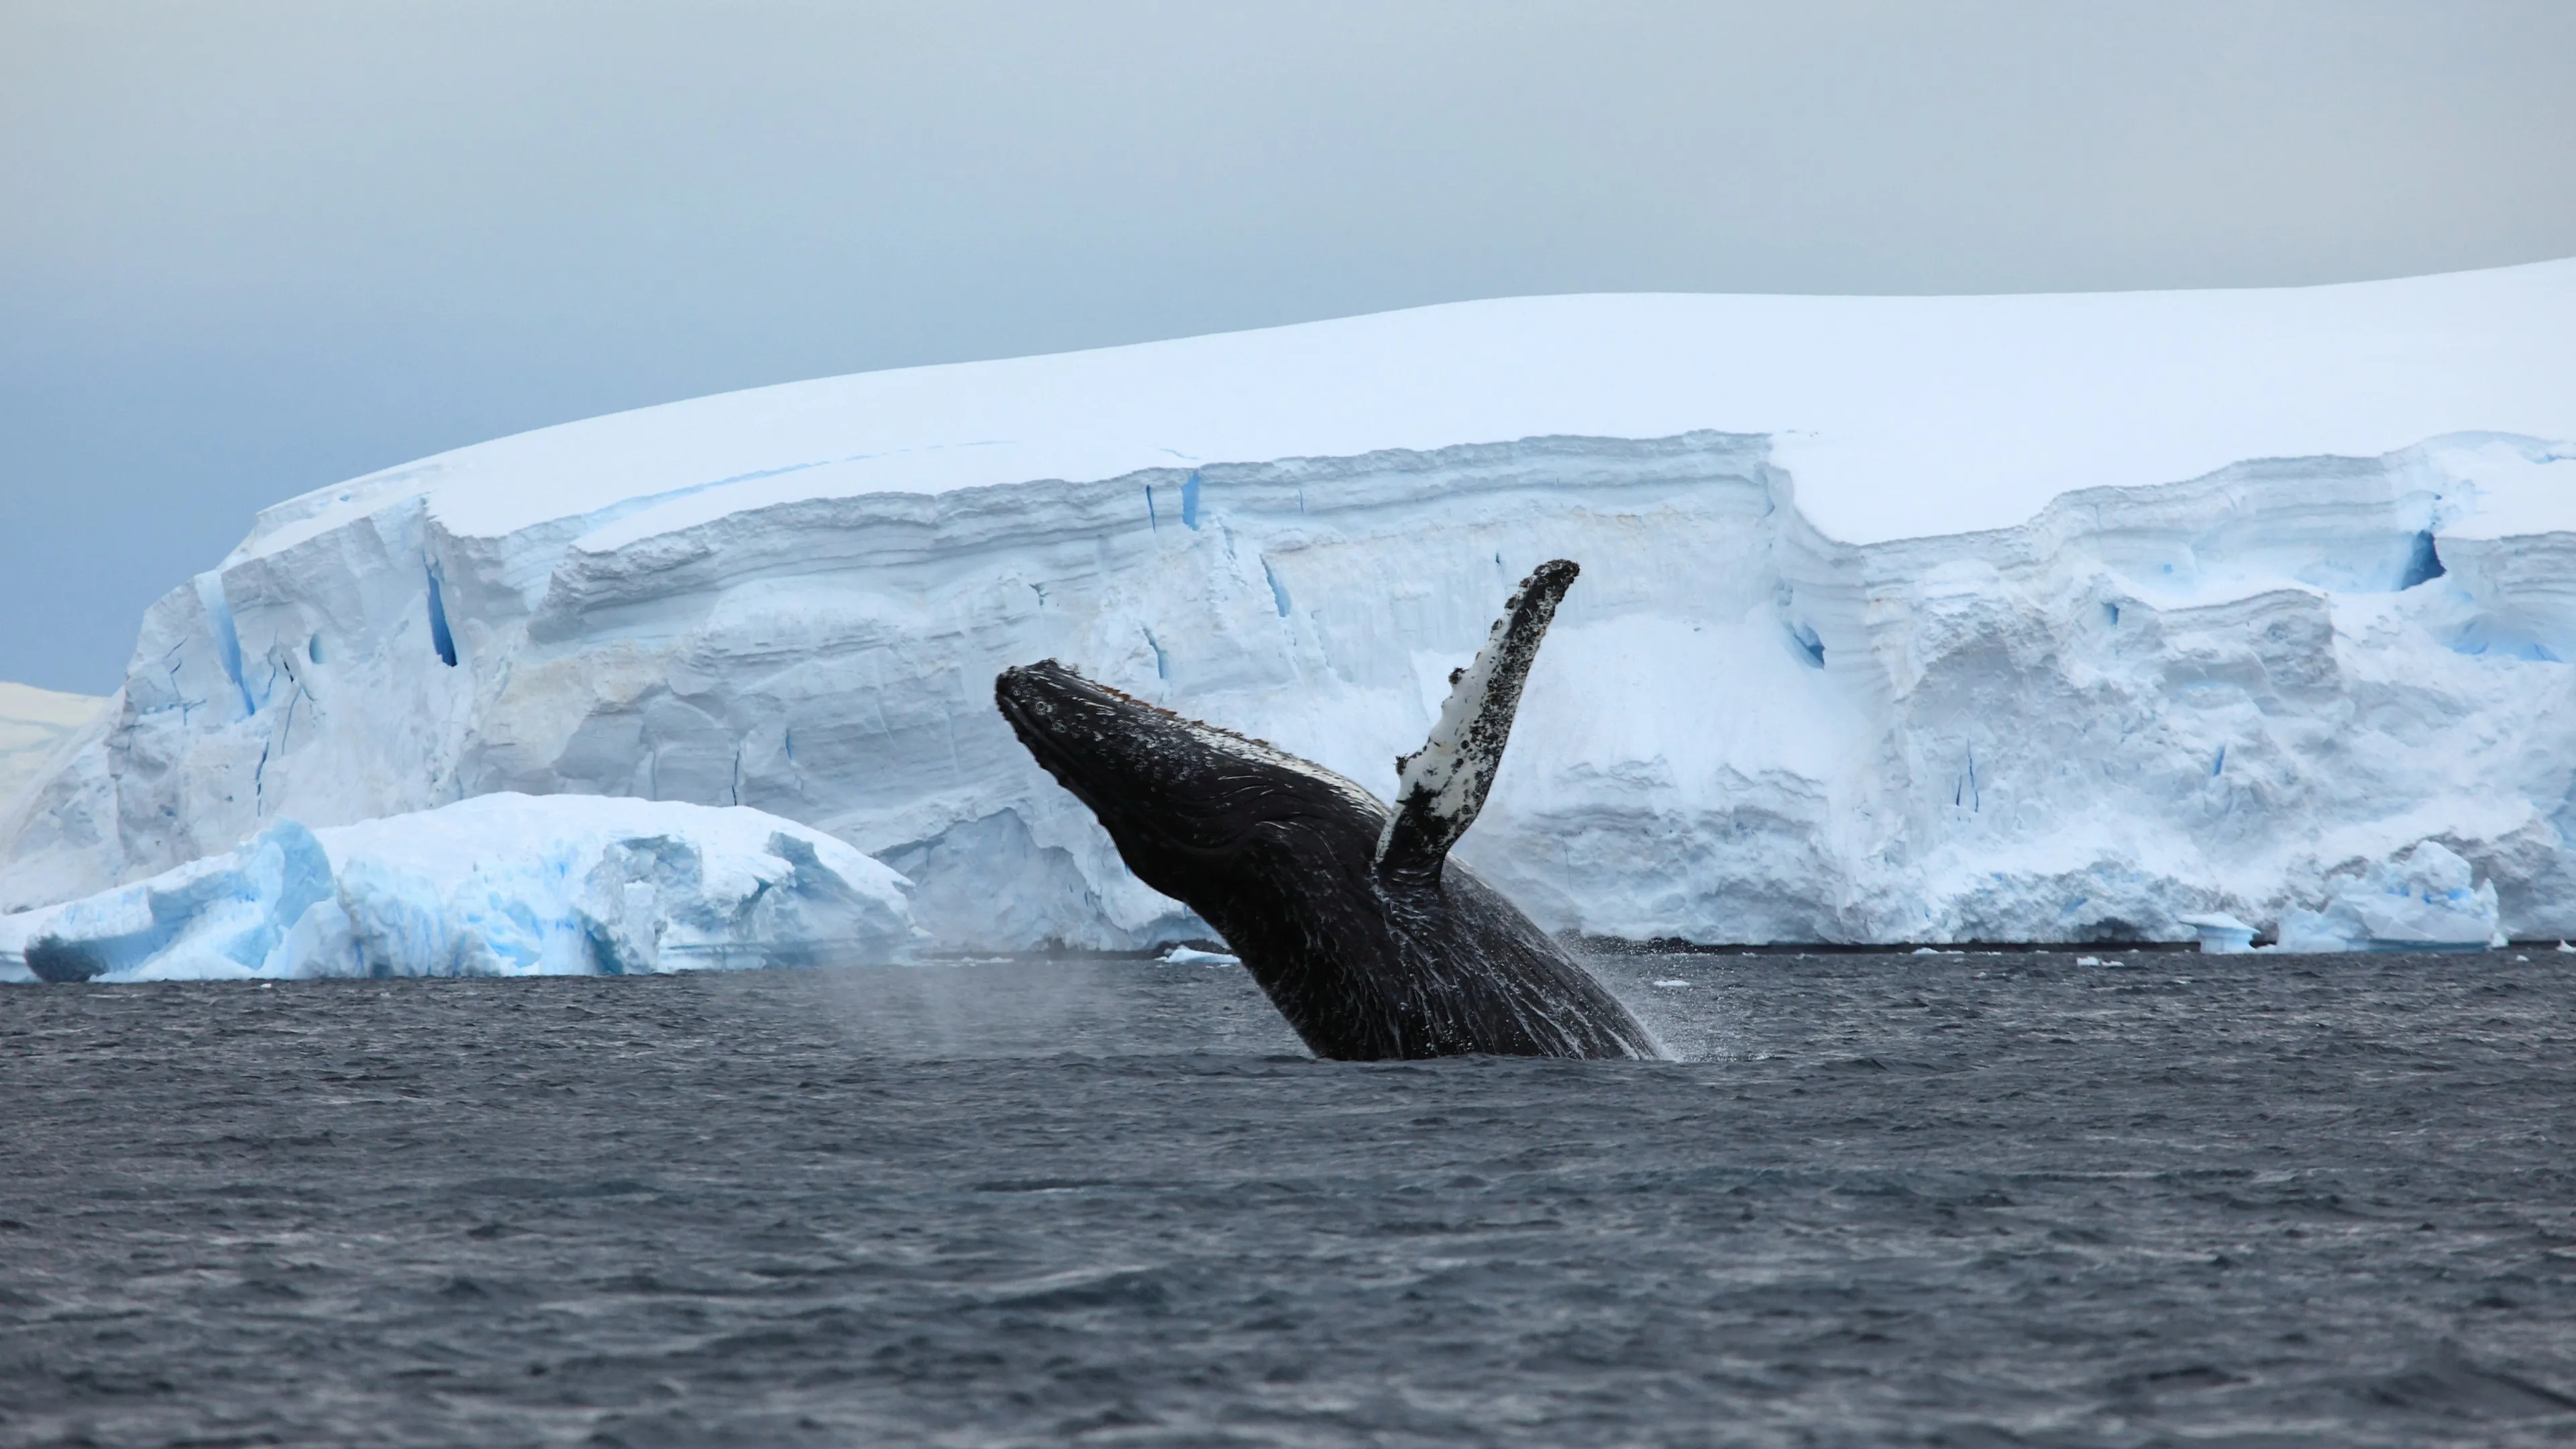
column 249, row 249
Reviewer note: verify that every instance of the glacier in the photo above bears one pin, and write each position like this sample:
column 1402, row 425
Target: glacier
column 1902, row 619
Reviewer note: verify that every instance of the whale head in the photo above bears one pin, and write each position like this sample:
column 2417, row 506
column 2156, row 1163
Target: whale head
column 1211, row 817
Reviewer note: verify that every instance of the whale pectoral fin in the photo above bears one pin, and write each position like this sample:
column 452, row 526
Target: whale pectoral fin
column 1440, row 787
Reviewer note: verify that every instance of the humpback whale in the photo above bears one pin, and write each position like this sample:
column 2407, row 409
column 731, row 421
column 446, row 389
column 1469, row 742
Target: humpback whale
column 1369, row 939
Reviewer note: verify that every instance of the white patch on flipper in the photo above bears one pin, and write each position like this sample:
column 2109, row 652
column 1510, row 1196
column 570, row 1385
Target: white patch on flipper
column 1441, row 787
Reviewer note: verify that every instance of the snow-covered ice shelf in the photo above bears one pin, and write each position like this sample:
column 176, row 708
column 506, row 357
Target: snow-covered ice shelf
column 1901, row 618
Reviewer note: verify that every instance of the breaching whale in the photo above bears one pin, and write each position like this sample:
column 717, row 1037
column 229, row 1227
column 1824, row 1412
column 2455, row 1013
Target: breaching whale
column 1368, row 938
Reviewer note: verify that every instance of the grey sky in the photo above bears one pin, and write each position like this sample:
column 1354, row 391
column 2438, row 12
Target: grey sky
column 250, row 249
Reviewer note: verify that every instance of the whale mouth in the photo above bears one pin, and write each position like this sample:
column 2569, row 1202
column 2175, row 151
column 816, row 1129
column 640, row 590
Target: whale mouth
column 1036, row 698
column 1011, row 694
column 1056, row 707
column 1073, row 726
column 1136, row 763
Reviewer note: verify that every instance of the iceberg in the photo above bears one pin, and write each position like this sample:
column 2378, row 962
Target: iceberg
column 2426, row 900
column 1902, row 619
column 2220, row 933
column 498, row 885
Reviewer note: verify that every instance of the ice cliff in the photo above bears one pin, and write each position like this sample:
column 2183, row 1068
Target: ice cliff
column 499, row 885
column 1907, row 619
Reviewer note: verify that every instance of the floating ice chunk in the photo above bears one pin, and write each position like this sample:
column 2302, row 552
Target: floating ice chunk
column 2305, row 931
column 500, row 885
column 2088, row 960
column 2221, row 934
column 213, row 918
column 1191, row 956
column 1672, row 981
column 2425, row 900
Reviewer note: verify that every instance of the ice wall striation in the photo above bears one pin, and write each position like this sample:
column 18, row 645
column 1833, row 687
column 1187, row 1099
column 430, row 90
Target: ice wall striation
column 2240, row 693
column 500, row 885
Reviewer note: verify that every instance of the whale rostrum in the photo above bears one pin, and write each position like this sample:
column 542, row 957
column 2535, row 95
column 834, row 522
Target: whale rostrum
column 1351, row 916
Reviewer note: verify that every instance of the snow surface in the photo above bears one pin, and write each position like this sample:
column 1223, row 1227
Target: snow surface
column 1900, row 416
column 35, row 726
column 1930, row 619
column 500, row 885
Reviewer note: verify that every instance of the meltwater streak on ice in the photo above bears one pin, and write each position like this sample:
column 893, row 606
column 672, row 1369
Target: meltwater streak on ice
column 2235, row 694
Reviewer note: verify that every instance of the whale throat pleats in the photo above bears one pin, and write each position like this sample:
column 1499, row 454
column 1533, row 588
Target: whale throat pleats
column 1440, row 787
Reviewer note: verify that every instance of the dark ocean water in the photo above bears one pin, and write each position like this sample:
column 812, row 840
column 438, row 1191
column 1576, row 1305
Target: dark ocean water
column 1951, row 1200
